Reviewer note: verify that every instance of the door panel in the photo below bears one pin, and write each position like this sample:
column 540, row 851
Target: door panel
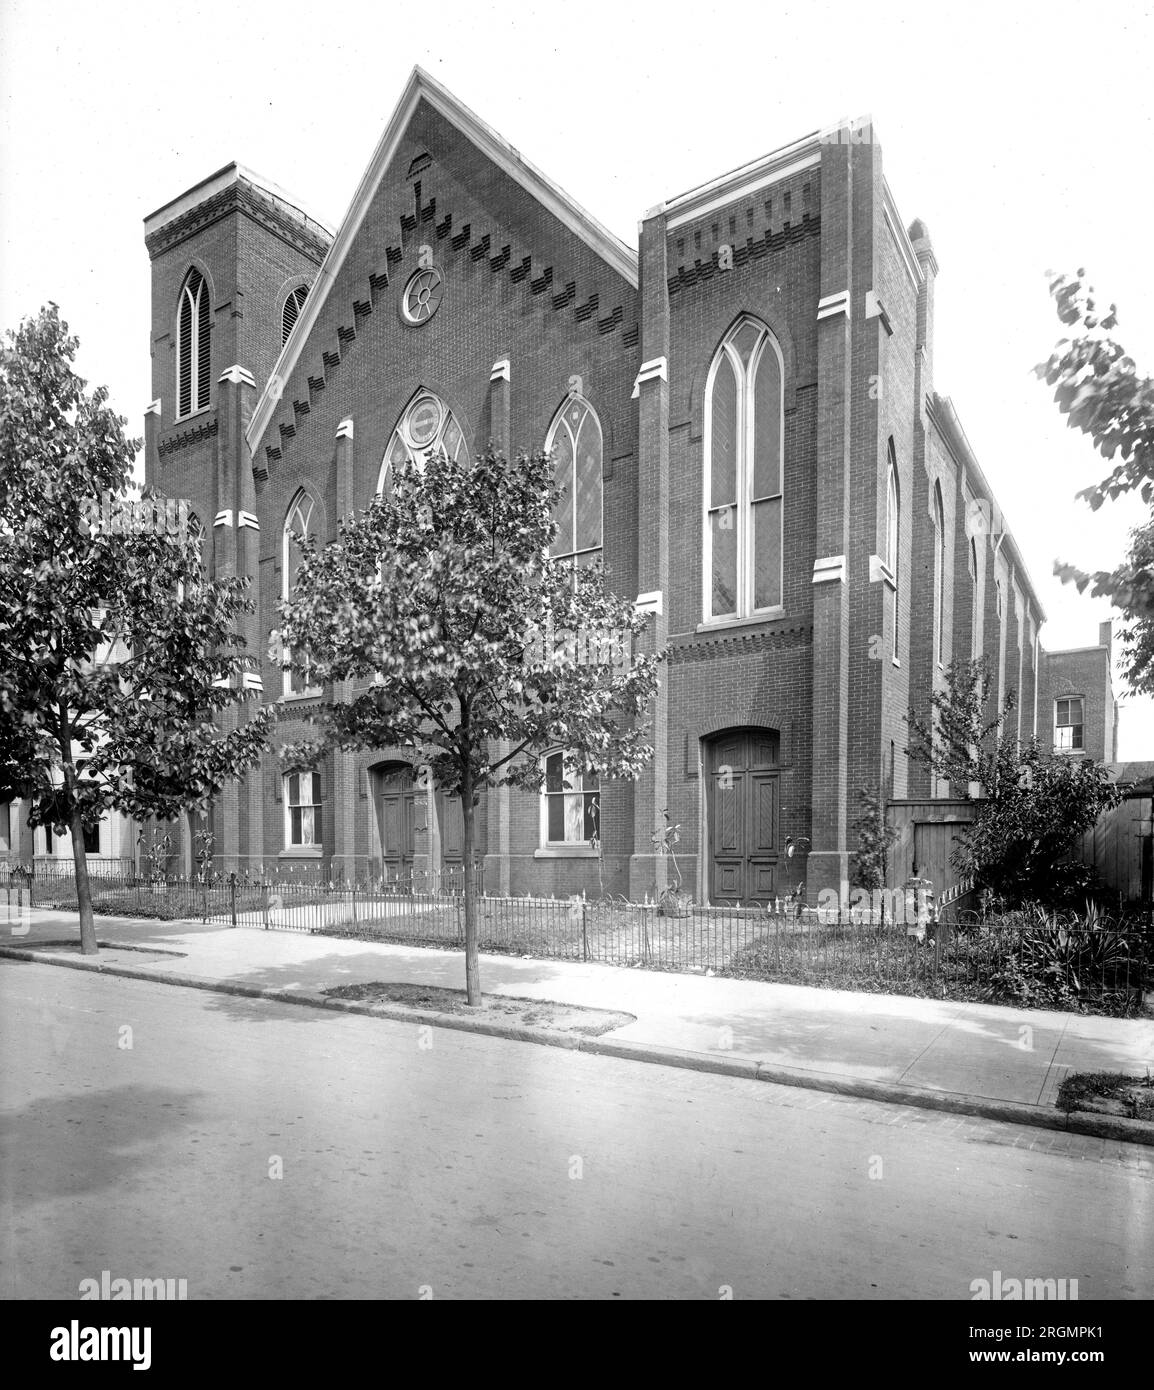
column 397, row 822
column 743, row 816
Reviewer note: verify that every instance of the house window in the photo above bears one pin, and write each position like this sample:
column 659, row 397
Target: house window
column 743, row 475
column 193, row 356
column 292, row 311
column 5, row 826
column 576, row 444
column 939, row 573
column 427, row 426
column 297, row 524
column 302, row 801
column 1068, row 724
column 893, row 532
column 92, row 839
column 975, row 609
column 570, row 803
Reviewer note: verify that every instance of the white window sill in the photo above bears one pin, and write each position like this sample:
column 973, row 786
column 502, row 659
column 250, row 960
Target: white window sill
column 300, row 695
column 302, row 852
column 896, row 661
column 566, row 852
column 767, row 615
column 184, row 419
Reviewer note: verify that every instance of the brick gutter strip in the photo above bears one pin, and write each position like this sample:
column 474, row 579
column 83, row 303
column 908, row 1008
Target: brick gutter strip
column 1089, row 1123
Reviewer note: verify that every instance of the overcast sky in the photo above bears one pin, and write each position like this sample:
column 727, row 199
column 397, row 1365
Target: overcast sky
column 1020, row 133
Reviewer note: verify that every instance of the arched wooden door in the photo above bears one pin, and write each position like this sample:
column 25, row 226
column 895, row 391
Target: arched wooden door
column 396, row 819
column 742, row 787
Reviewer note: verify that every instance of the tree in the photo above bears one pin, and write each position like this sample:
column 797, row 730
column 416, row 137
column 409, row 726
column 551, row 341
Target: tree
column 1098, row 388
column 116, row 651
column 964, row 741
column 875, row 835
column 1036, row 803
column 479, row 651
column 1020, row 842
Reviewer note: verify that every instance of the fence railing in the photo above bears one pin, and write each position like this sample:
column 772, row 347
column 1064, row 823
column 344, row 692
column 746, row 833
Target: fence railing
column 1109, row 967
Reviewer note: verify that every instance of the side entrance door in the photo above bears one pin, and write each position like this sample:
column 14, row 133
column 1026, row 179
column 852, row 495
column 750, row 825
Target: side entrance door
column 743, row 779
column 395, row 795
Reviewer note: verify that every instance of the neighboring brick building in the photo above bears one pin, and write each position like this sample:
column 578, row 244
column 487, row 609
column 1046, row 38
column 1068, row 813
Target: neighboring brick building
column 760, row 451
column 1077, row 713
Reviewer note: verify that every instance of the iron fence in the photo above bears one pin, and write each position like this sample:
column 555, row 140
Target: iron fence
column 1038, row 961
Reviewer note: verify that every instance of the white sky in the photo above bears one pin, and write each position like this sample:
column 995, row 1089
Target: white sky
column 1020, row 133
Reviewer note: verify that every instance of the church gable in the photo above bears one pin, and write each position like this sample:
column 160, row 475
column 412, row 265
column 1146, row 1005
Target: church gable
column 491, row 245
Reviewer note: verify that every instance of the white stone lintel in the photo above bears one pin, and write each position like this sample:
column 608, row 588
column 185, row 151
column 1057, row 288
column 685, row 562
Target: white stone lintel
column 829, row 569
column 656, row 369
column 238, row 375
column 833, row 304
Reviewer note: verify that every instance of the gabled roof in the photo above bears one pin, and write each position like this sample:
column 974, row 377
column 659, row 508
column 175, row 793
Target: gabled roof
column 422, row 87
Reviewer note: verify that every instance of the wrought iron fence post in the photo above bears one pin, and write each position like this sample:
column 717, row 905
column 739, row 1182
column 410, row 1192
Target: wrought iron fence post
column 232, row 896
column 584, row 930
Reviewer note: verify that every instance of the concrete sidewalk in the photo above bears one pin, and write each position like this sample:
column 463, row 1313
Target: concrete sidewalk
column 1001, row 1062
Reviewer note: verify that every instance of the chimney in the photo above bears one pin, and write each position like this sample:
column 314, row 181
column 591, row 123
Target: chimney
column 1106, row 635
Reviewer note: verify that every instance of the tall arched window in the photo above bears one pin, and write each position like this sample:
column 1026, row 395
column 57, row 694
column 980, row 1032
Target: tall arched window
column 297, row 523
column 743, row 474
column 426, row 426
column 975, row 607
column 939, row 572
column 576, row 441
column 291, row 311
column 193, row 356
column 893, row 531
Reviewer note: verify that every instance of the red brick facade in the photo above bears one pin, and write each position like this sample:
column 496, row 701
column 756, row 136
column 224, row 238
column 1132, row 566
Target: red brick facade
column 806, row 242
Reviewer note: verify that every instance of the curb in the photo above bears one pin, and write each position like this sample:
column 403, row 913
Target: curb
column 1090, row 1123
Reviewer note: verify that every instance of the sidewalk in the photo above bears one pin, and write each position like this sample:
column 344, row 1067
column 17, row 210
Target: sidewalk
column 982, row 1059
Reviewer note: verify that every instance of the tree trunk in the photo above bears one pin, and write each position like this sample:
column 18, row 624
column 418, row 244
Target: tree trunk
column 472, row 966
column 88, row 946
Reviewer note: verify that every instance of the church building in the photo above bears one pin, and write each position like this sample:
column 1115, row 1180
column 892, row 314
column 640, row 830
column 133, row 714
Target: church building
column 744, row 409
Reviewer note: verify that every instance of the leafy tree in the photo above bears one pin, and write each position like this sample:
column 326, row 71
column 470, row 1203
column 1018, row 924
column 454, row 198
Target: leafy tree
column 116, row 651
column 1018, row 846
column 965, row 741
column 875, row 835
column 479, row 651
column 1098, row 388
column 1036, row 803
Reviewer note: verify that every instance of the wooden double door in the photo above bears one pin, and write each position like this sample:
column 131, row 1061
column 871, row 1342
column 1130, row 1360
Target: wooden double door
column 743, row 792
column 401, row 809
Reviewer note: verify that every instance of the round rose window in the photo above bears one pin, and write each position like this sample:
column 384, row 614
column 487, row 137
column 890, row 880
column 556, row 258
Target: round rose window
column 424, row 421
column 423, row 294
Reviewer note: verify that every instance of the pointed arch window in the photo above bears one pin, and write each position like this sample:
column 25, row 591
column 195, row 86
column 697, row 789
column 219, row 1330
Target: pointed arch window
column 744, row 428
column 299, row 522
column 893, row 533
column 292, row 311
column 975, row 606
column 426, row 426
column 193, row 354
column 939, row 573
column 577, row 444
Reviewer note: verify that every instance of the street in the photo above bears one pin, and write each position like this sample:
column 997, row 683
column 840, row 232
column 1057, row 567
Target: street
column 263, row 1150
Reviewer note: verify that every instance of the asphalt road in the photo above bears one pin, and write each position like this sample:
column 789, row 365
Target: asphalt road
column 262, row 1150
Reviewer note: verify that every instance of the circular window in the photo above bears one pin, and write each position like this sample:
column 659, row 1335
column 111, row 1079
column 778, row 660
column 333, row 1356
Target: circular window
column 422, row 296
column 424, row 421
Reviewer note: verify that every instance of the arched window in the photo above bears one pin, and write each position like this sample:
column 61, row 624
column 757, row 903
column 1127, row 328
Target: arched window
column 298, row 522
column 975, row 607
column 570, row 803
column 193, row 356
column 893, row 532
column 291, row 311
column 426, row 426
column 743, row 474
column 576, row 442
column 939, row 571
